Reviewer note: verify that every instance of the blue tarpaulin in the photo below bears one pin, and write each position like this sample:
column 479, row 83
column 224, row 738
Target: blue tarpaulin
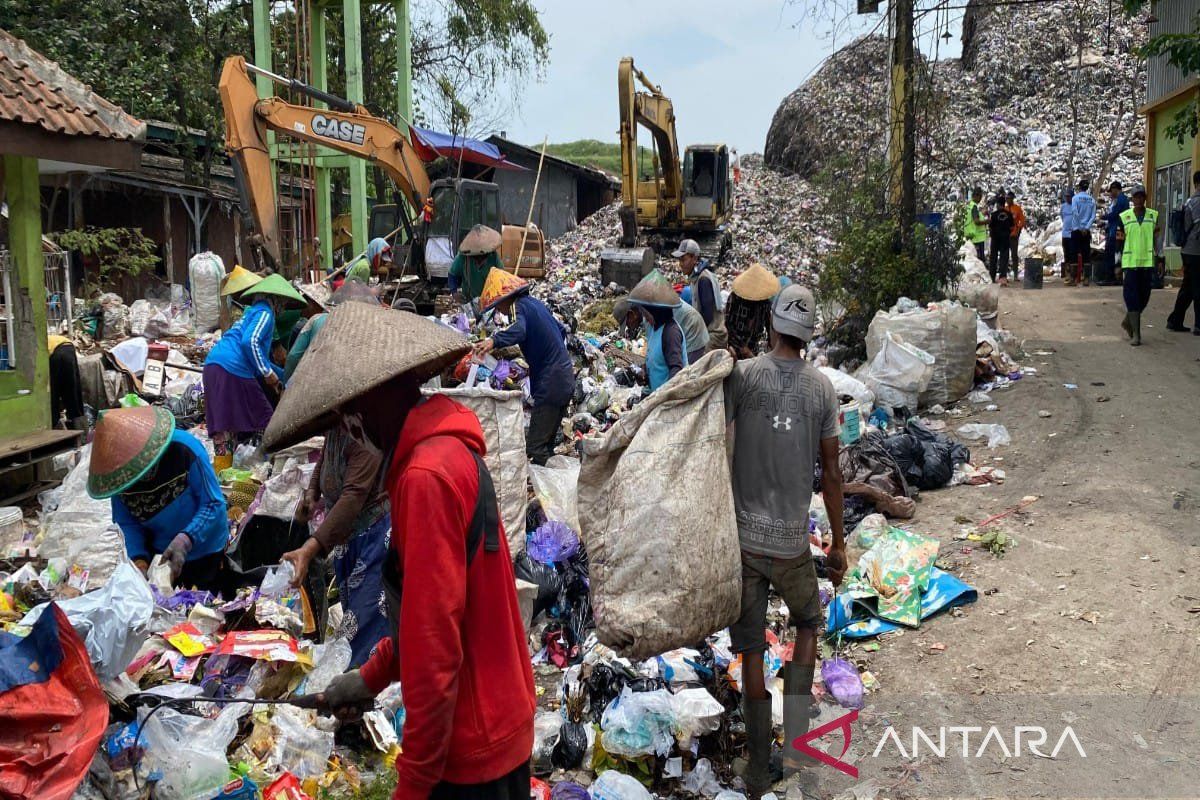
column 431, row 144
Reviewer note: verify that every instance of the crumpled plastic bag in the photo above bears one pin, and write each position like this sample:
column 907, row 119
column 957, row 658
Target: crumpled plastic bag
column 282, row 493
column 188, row 751
column 553, row 542
column 897, row 374
column 112, row 621
column 848, row 384
column 547, row 727
column 329, row 660
column 568, row 790
column 843, row 682
column 613, row 785
column 555, row 488
column 696, row 713
column 996, row 434
column 869, row 530
column 701, row 780
column 638, row 724
column 300, row 747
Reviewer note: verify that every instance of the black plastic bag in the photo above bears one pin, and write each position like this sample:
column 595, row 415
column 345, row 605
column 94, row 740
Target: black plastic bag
column 544, row 576
column 938, row 468
column 571, row 746
column 909, row 455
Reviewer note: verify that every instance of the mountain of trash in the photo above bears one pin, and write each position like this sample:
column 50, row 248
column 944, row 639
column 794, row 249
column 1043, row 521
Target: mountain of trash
column 1045, row 95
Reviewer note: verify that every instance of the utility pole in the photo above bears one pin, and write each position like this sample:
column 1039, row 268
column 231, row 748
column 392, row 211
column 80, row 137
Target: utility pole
column 902, row 149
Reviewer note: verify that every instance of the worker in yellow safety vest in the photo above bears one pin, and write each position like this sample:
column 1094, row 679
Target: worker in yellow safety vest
column 974, row 225
column 1139, row 232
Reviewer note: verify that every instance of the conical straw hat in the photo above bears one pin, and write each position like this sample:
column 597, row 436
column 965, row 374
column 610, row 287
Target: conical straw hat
column 480, row 240
column 239, row 280
column 277, row 285
column 361, row 347
column 654, row 290
column 498, row 286
column 756, row 283
column 128, row 442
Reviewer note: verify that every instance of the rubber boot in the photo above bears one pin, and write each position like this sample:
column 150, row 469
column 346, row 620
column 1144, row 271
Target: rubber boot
column 759, row 735
column 1125, row 326
column 1135, row 322
column 797, row 713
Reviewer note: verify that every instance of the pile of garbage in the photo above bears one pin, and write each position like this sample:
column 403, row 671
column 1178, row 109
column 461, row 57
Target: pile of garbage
column 1000, row 117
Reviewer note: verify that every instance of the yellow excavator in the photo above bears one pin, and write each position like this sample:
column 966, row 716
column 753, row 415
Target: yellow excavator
column 422, row 248
column 688, row 199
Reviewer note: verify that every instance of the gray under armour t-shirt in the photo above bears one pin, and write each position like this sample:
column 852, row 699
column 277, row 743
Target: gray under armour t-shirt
column 782, row 409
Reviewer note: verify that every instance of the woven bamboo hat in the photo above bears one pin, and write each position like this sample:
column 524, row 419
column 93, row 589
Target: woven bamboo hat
column 480, row 241
column 277, row 285
column 756, row 283
column 362, row 346
column 128, row 442
column 498, row 286
column 654, row 290
column 239, row 280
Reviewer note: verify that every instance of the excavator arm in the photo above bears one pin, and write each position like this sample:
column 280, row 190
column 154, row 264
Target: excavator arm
column 345, row 127
column 654, row 111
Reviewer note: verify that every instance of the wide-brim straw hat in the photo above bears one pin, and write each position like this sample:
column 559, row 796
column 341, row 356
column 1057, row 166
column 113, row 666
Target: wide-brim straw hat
column 756, row 283
column 499, row 286
column 654, row 290
column 361, row 347
column 277, row 285
column 239, row 280
column 128, row 442
column 480, row 241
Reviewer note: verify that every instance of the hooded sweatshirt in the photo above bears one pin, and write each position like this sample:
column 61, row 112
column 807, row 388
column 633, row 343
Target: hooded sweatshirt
column 463, row 659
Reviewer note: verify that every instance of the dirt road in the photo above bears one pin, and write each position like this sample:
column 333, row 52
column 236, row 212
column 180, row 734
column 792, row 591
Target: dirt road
column 1091, row 621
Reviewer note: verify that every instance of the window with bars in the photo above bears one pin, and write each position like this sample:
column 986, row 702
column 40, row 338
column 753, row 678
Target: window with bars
column 8, row 358
column 58, row 301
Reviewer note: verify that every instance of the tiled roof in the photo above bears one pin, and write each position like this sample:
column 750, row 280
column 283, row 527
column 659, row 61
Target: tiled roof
column 36, row 91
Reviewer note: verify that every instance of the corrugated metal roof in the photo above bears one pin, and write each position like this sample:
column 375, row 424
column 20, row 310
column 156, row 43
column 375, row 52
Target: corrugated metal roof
column 36, row 91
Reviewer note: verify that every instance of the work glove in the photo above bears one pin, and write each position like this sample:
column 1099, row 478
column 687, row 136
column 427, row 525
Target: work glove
column 176, row 554
column 347, row 696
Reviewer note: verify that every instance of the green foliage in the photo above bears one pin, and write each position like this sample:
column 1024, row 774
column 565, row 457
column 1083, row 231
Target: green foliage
column 1182, row 50
column 600, row 155
column 380, row 788
column 114, row 251
column 871, row 266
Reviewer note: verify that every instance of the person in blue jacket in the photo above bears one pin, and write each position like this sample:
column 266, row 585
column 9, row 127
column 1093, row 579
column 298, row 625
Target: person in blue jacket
column 542, row 340
column 666, row 345
column 1112, row 220
column 165, row 496
column 239, row 373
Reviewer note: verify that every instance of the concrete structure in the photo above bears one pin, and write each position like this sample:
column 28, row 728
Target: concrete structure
column 1169, row 162
column 50, row 123
column 567, row 194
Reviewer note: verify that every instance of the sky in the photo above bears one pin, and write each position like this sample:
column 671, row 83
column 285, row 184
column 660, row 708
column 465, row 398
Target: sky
column 726, row 64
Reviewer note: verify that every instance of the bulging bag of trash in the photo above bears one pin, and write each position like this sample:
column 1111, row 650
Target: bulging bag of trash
column 639, row 724
column 843, row 682
column 501, row 414
column 665, row 564
column 946, row 332
column 897, row 372
column 613, row 785
column 206, row 271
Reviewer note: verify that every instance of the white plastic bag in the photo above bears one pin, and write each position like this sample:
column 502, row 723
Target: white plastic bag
column 300, row 747
column 897, row 372
column 868, row 531
column 701, row 780
column 946, row 332
column 547, row 727
column 81, row 529
column 639, row 724
column 329, row 660
column 613, row 785
column 696, row 713
column 206, row 271
column 997, row 435
column 554, row 485
column 848, row 384
column 282, row 493
column 112, row 621
column 188, row 751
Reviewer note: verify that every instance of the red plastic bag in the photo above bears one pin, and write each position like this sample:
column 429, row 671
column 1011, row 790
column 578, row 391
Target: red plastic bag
column 538, row 789
column 53, row 709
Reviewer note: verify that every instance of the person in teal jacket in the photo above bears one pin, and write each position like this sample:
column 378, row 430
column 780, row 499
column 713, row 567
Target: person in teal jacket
column 165, row 496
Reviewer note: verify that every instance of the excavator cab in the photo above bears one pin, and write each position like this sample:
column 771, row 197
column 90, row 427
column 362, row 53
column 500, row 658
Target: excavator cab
column 707, row 184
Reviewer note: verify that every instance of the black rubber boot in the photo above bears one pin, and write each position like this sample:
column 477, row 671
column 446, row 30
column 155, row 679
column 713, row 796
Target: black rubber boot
column 1135, row 322
column 759, row 735
column 1125, row 326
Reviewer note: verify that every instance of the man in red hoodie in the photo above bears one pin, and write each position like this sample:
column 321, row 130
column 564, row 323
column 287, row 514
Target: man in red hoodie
column 460, row 648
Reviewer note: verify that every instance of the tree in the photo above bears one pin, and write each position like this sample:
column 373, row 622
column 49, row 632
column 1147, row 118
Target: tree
column 1183, row 52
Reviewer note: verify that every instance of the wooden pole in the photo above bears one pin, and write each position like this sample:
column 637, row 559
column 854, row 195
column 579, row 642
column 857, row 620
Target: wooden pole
column 532, row 199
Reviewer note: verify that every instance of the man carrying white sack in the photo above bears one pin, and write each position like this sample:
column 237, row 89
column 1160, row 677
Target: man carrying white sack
column 785, row 416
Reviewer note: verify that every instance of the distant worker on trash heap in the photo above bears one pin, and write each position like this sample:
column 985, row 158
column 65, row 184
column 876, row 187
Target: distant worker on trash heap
column 478, row 254
column 66, row 386
column 706, row 291
column 1112, row 224
column 1000, row 224
column 1139, row 229
column 1019, row 222
column 1189, row 290
column 165, row 496
column 1067, row 215
column 695, row 335
column 456, row 639
column 1083, row 214
column 666, row 349
column 542, row 340
column 974, row 225
column 784, row 413
column 748, row 312
column 375, row 261
column 238, row 371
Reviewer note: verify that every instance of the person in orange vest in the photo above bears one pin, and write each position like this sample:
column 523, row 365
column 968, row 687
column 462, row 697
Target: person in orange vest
column 1018, row 225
